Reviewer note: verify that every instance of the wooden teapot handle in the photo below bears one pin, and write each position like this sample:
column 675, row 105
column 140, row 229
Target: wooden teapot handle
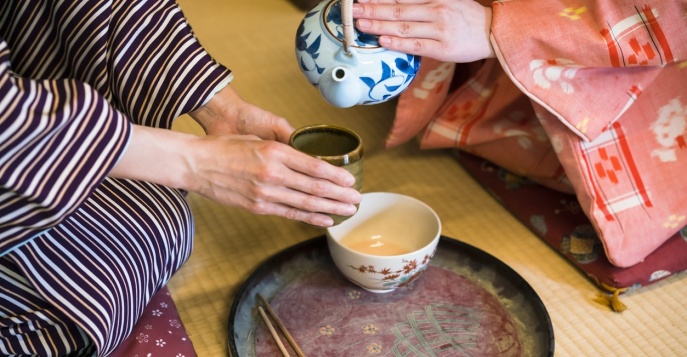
column 347, row 14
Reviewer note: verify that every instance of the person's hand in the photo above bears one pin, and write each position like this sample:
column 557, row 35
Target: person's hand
column 264, row 176
column 227, row 113
column 244, row 162
column 446, row 30
column 268, row 177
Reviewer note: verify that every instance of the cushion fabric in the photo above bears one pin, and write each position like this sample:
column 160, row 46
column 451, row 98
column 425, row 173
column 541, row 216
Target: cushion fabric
column 557, row 218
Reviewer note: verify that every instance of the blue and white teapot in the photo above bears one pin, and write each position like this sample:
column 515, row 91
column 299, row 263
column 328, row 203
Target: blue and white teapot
column 349, row 67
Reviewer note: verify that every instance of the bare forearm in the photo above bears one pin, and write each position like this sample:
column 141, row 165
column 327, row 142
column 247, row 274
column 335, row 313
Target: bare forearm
column 243, row 161
column 156, row 155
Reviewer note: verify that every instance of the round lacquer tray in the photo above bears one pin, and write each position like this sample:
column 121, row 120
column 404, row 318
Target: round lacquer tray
column 466, row 303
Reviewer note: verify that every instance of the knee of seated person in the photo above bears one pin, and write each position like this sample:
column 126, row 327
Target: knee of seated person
column 161, row 219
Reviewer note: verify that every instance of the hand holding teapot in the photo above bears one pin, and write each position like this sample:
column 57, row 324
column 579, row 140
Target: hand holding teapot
column 349, row 67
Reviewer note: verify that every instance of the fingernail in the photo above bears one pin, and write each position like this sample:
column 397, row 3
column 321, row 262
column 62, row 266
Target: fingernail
column 364, row 23
column 357, row 9
column 383, row 40
column 350, row 210
column 358, row 198
column 323, row 222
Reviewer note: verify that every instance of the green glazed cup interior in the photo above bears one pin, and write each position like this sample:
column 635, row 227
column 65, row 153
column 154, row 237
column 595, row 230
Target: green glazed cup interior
column 337, row 145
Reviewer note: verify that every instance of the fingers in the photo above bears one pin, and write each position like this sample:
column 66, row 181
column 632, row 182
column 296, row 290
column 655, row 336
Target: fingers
column 267, row 177
column 283, row 130
column 394, row 12
column 266, row 206
column 312, row 203
column 312, row 167
column 393, row 1
column 299, row 205
column 407, row 28
column 316, row 219
column 410, row 30
column 413, row 38
column 310, row 187
column 298, row 186
column 251, row 119
column 424, row 48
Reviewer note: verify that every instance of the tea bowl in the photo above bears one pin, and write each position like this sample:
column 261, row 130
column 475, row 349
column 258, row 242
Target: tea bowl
column 387, row 244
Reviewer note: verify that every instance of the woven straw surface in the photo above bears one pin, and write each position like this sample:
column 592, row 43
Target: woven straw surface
column 255, row 39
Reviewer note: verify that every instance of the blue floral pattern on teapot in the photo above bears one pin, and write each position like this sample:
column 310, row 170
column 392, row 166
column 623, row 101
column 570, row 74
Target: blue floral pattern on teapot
column 368, row 74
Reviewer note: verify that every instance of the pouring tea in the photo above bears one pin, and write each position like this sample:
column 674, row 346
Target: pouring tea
column 348, row 66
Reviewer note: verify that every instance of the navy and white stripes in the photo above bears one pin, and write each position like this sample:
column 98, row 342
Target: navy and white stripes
column 86, row 250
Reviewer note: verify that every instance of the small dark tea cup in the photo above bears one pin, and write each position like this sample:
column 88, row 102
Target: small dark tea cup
column 336, row 145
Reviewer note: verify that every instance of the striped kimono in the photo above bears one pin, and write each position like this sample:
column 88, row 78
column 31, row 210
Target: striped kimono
column 81, row 253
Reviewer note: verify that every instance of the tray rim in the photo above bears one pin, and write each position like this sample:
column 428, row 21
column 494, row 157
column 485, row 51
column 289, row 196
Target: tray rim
column 265, row 265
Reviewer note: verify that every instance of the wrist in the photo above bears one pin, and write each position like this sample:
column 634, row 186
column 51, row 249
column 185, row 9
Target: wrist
column 159, row 156
column 213, row 114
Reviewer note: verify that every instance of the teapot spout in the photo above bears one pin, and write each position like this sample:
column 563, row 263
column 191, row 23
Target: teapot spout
column 339, row 87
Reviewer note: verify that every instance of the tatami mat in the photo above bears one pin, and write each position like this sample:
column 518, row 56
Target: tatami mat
column 255, row 39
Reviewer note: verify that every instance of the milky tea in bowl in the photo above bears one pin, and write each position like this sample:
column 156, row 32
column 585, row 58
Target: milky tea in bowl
column 367, row 238
column 387, row 243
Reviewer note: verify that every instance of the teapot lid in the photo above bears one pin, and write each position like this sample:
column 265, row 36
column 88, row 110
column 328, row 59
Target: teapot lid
column 332, row 18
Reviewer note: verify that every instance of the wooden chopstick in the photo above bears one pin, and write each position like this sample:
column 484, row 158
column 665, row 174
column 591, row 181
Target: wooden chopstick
column 281, row 326
column 273, row 332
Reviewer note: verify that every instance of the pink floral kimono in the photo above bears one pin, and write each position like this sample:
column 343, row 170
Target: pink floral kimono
column 584, row 97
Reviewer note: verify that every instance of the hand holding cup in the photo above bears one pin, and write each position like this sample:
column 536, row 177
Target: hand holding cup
column 336, row 145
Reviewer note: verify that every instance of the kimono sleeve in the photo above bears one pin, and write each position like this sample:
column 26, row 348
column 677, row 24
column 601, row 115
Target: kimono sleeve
column 159, row 68
column 607, row 81
column 58, row 140
column 588, row 63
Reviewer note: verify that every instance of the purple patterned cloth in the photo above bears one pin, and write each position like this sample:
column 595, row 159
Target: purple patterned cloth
column 557, row 219
column 159, row 332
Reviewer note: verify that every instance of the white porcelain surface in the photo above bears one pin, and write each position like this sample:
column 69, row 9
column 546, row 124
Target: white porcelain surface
column 401, row 218
column 369, row 74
